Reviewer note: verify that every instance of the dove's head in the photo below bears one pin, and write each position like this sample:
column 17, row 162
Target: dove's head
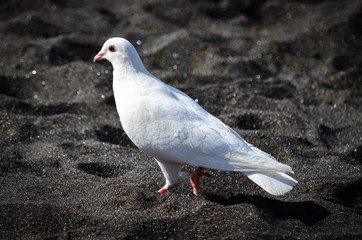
column 119, row 51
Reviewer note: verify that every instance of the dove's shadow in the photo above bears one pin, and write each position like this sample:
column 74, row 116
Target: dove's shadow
column 307, row 212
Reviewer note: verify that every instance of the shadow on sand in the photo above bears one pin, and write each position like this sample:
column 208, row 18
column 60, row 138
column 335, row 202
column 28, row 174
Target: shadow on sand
column 307, row 212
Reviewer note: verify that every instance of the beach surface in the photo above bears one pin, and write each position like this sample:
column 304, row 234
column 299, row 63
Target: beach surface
column 286, row 75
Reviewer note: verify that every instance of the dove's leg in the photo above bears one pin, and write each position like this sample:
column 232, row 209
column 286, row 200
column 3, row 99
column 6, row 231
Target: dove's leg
column 171, row 171
column 195, row 181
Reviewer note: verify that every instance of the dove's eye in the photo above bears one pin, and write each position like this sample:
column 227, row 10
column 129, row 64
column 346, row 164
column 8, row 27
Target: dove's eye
column 111, row 48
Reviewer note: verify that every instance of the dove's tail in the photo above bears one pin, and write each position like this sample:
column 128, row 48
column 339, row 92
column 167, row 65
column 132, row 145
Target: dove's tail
column 274, row 183
column 275, row 180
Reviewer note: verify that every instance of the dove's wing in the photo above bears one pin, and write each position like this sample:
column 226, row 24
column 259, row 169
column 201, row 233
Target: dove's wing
column 190, row 135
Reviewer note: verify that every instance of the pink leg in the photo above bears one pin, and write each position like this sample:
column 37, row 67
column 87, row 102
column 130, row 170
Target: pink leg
column 164, row 190
column 195, row 181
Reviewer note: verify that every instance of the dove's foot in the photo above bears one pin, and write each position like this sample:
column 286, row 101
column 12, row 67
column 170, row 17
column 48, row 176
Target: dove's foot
column 165, row 189
column 195, row 181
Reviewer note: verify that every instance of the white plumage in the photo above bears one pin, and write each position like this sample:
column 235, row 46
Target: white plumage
column 167, row 124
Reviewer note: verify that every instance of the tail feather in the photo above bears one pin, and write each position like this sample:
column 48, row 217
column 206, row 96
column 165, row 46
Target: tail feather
column 275, row 183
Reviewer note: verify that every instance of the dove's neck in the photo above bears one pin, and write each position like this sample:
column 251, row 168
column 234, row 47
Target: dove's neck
column 130, row 81
column 128, row 66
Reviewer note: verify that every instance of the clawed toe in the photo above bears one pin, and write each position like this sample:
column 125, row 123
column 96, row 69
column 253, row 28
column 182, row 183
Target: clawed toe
column 195, row 181
column 162, row 190
column 165, row 189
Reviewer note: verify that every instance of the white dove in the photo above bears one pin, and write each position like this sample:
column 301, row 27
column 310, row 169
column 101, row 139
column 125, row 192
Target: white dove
column 170, row 126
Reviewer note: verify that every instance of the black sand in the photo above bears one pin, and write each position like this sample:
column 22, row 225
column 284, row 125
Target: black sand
column 286, row 75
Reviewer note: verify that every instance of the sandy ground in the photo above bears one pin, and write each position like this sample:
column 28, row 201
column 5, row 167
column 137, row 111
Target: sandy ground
column 286, row 75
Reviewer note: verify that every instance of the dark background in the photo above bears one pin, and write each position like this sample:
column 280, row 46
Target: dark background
column 286, row 75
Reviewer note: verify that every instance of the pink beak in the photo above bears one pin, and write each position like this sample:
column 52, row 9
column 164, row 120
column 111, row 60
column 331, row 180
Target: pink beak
column 98, row 57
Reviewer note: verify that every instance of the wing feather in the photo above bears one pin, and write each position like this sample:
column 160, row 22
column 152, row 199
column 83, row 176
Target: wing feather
column 203, row 140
